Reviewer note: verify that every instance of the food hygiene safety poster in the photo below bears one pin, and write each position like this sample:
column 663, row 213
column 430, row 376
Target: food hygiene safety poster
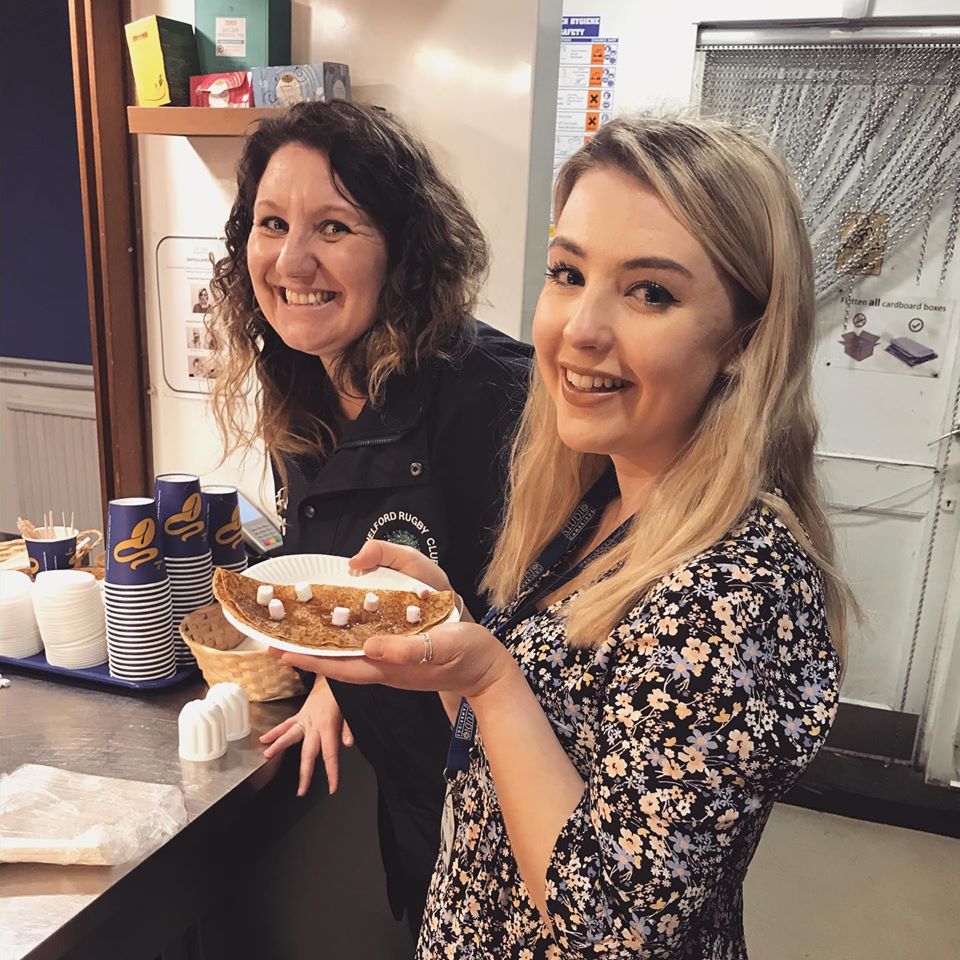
column 184, row 272
column 586, row 85
column 907, row 335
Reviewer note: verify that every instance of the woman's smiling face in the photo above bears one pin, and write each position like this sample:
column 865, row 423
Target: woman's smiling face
column 633, row 326
column 316, row 261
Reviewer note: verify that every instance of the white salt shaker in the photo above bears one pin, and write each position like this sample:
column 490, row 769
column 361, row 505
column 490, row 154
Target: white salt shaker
column 203, row 731
column 235, row 704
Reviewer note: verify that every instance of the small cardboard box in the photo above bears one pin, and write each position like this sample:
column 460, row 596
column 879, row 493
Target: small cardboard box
column 283, row 86
column 221, row 90
column 163, row 56
column 241, row 34
column 860, row 345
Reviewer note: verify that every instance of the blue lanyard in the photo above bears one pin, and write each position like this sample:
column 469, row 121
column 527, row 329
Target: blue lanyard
column 540, row 575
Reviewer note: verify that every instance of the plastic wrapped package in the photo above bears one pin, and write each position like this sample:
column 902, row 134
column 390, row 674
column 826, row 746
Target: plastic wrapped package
column 48, row 815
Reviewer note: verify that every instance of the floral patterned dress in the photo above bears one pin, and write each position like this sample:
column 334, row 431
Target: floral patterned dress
column 698, row 711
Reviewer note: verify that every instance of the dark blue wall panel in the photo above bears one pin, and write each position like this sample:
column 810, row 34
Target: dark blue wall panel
column 43, row 287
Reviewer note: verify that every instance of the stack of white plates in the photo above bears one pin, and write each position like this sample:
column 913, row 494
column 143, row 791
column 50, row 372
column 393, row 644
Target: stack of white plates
column 69, row 609
column 19, row 635
column 191, row 585
column 140, row 631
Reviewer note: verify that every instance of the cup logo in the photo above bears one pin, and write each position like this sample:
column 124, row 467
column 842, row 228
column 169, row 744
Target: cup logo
column 34, row 566
column 137, row 549
column 231, row 533
column 187, row 522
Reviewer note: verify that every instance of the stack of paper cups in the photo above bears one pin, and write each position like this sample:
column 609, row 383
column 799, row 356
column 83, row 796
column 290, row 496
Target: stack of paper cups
column 186, row 549
column 139, row 610
column 221, row 508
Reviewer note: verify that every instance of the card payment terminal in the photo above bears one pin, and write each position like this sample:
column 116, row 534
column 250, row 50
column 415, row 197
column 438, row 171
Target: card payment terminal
column 260, row 535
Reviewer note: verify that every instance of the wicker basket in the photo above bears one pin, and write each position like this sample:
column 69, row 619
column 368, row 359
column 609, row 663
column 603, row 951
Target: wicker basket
column 212, row 641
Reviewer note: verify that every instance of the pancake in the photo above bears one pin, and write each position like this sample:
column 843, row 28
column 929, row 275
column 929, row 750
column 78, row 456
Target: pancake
column 308, row 623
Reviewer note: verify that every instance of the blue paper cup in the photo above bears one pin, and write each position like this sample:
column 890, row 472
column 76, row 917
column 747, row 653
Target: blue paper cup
column 221, row 508
column 52, row 553
column 183, row 530
column 134, row 555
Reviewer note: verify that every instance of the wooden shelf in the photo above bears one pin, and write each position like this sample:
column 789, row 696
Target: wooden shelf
column 197, row 121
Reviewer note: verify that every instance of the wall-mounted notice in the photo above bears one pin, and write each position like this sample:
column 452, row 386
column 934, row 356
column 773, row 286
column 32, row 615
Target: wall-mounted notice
column 184, row 272
column 586, row 84
column 907, row 334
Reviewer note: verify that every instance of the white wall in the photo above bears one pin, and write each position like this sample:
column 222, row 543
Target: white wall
column 459, row 73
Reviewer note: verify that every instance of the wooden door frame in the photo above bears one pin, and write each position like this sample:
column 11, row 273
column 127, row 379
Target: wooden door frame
column 113, row 246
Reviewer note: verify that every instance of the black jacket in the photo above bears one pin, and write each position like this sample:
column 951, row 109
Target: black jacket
column 426, row 469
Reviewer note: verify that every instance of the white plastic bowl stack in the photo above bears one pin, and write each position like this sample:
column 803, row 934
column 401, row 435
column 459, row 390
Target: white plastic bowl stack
column 69, row 610
column 19, row 634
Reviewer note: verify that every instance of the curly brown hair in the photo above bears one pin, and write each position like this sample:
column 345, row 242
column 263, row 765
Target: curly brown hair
column 437, row 260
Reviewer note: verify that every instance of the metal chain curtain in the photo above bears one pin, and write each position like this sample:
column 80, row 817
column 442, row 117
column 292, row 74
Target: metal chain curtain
column 871, row 131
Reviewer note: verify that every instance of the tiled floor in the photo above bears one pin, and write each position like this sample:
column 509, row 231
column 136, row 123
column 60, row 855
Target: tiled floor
column 823, row 887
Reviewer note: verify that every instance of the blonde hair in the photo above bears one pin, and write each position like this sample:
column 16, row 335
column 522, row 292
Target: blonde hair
column 757, row 430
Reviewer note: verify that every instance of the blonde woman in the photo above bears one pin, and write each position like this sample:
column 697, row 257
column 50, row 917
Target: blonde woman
column 663, row 583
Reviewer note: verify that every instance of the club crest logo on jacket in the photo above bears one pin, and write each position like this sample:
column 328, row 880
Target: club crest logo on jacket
column 406, row 529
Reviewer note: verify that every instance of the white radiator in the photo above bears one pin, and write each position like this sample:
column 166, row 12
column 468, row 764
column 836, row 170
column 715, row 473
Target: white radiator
column 49, row 445
column 56, row 462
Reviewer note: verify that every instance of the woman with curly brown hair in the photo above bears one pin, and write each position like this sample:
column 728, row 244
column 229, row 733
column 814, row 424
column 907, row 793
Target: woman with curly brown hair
column 385, row 408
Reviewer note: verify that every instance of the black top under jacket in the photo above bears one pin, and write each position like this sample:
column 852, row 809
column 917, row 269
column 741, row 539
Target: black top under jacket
column 426, row 468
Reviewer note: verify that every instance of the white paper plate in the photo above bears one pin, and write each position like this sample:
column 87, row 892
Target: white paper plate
column 321, row 568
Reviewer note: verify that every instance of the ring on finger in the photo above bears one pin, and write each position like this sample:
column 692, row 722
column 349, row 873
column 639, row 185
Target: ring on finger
column 427, row 648
column 303, row 729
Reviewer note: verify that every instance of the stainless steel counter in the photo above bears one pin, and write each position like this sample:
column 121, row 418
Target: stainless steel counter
column 46, row 910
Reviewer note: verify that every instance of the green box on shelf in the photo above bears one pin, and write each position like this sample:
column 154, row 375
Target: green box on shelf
column 240, row 34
